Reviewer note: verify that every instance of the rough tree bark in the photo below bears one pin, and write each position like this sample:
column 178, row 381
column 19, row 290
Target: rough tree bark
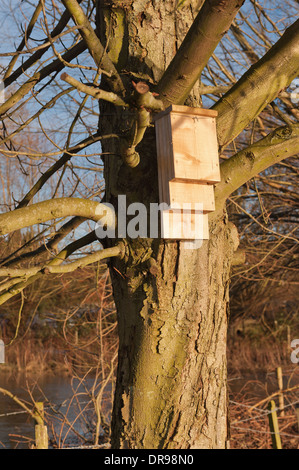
column 171, row 301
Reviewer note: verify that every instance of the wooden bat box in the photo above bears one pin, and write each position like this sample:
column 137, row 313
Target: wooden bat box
column 188, row 161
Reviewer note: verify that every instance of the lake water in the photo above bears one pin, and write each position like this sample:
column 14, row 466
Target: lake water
column 65, row 400
column 17, row 428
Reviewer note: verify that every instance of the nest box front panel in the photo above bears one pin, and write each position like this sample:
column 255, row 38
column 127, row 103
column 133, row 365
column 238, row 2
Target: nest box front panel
column 195, row 148
column 191, row 193
column 184, row 226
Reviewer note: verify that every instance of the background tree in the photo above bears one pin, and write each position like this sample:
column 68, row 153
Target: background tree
column 171, row 301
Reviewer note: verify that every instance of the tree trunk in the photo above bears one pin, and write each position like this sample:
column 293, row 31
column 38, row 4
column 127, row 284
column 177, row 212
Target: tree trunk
column 171, row 380
column 171, row 389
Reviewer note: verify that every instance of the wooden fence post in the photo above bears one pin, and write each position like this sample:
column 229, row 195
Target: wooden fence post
column 288, row 337
column 41, row 431
column 2, row 352
column 297, row 414
column 280, row 386
column 273, row 423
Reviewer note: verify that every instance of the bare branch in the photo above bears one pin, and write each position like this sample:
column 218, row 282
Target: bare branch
column 17, row 285
column 48, row 105
column 55, row 66
column 18, row 401
column 26, row 37
column 52, row 209
column 48, row 247
column 237, row 170
column 93, row 91
column 259, row 86
column 63, row 21
column 54, row 168
column 211, row 23
column 143, row 101
column 64, row 268
column 94, row 45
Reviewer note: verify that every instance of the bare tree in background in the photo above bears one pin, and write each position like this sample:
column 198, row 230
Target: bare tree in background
column 237, row 57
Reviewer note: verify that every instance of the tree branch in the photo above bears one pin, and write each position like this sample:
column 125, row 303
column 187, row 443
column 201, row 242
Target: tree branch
column 93, row 91
column 240, row 37
column 18, row 401
column 48, row 247
column 207, row 30
column 258, row 86
column 237, row 170
column 239, row 257
column 29, row 29
column 94, row 45
column 63, row 21
column 55, row 208
column 16, row 285
column 48, row 105
column 55, row 66
column 143, row 101
column 56, row 166
column 65, row 268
